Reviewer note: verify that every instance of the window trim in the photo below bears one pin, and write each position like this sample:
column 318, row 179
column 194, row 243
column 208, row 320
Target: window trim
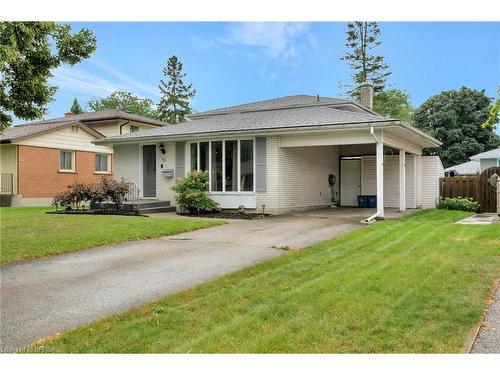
column 108, row 156
column 223, row 140
column 136, row 127
column 73, row 161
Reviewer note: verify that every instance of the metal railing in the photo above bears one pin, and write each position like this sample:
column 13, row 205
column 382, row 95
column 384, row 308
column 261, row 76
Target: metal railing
column 133, row 194
column 6, row 183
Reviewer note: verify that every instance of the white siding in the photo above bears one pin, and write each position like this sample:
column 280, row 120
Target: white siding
column 70, row 138
column 112, row 128
column 270, row 197
column 164, row 184
column 391, row 180
column 126, row 163
column 8, row 163
column 432, row 170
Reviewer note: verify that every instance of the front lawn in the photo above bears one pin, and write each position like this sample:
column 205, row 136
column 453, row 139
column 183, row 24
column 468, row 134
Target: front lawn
column 28, row 232
column 415, row 285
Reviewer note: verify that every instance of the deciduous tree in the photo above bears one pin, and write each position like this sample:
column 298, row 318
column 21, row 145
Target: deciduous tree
column 125, row 101
column 393, row 103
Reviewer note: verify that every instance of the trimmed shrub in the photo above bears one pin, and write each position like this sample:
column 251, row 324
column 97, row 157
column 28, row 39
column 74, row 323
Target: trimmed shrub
column 115, row 191
column 192, row 193
column 460, row 204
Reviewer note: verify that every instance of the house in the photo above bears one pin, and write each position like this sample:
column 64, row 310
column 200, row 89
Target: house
column 478, row 163
column 278, row 155
column 40, row 159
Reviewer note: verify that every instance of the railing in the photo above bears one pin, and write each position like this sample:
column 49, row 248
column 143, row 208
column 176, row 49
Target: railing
column 6, row 183
column 133, row 194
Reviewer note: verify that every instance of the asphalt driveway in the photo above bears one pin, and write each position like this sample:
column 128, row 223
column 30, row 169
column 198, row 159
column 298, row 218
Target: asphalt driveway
column 42, row 297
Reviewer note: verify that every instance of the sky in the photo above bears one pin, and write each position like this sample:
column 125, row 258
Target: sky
column 233, row 63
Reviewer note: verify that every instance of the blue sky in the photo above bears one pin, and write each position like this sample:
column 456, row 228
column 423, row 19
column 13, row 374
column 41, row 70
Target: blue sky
column 231, row 63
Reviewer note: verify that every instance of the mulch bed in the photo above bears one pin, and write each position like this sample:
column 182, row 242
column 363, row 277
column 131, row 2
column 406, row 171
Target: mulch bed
column 227, row 215
column 94, row 212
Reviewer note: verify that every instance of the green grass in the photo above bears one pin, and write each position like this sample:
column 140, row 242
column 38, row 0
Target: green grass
column 416, row 285
column 28, row 232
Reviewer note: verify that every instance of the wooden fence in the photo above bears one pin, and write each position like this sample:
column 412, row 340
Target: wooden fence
column 475, row 187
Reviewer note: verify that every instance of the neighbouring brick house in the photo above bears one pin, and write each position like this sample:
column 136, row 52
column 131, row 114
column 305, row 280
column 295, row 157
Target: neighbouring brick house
column 40, row 159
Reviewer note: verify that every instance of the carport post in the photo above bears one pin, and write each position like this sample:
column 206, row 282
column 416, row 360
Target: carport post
column 380, row 178
column 402, row 180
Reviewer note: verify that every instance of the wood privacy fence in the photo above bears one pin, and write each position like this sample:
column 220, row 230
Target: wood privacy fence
column 475, row 187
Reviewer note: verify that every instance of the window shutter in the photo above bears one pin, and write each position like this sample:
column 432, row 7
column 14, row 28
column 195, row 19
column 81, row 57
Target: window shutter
column 261, row 164
column 180, row 159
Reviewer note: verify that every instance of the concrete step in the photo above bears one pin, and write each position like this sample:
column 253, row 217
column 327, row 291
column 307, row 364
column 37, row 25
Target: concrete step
column 152, row 204
column 150, row 210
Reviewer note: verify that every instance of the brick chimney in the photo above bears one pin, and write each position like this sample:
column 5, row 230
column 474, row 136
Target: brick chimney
column 366, row 95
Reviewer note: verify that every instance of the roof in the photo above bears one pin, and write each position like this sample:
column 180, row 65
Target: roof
column 33, row 128
column 282, row 102
column 470, row 167
column 492, row 154
column 21, row 131
column 259, row 120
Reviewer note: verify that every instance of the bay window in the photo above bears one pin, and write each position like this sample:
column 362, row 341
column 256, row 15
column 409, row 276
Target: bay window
column 230, row 164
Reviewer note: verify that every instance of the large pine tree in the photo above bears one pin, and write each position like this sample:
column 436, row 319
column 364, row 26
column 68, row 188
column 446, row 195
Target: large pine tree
column 362, row 38
column 174, row 104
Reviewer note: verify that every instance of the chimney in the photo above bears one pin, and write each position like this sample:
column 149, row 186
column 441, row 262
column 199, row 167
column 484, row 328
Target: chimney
column 366, row 95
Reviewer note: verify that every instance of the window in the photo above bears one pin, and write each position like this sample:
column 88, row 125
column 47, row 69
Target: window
column 216, row 167
column 231, row 159
column 134, row 128
column 230, row 164
column 246, row 165
column 102, row 163
column 66, row 161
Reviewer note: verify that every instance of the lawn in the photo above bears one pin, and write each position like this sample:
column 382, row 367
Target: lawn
column 28, row 232
column 416, row 285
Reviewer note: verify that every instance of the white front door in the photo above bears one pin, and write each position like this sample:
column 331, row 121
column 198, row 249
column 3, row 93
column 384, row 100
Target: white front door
column 350, row 181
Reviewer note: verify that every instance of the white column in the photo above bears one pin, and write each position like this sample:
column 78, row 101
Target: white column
column 380, row 178
column 402, row 180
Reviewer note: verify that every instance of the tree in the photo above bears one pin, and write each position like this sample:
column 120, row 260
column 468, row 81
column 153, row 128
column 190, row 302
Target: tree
column 393, row 103
column 174, row 104
column 455, row 117
column 76, row 108
column 492, row 119
column 125, row 101
column 362, row 38
column 29, row 52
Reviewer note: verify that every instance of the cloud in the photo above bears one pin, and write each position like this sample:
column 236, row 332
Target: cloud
column 94, row 84
column 279, row 40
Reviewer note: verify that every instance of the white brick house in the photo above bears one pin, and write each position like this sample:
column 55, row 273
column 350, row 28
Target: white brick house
column 281, row 152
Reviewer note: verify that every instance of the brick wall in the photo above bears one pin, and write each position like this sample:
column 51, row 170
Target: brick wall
column 39, row 175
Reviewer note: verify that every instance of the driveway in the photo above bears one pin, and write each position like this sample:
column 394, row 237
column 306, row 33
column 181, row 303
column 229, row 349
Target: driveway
column 42, row 297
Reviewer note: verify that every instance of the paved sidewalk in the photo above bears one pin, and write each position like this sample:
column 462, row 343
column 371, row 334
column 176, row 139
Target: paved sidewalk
column 488, row 339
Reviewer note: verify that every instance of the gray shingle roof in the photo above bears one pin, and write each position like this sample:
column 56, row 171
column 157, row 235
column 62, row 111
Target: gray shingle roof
column 495, row 153
column 285, row 101
column 470, row 167
column 36, row 127
column 259, row 120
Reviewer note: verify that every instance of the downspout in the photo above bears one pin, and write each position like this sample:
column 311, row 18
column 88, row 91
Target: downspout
column 121, row 126
column 372, row 218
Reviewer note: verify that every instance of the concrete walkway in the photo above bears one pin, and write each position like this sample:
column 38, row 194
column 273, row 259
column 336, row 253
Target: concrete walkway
column 42, row 297
column 488, row 338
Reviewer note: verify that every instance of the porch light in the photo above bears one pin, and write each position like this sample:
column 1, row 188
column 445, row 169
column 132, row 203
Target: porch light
column 162, row 148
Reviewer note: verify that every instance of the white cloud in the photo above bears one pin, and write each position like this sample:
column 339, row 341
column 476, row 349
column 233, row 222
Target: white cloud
column 279, row 40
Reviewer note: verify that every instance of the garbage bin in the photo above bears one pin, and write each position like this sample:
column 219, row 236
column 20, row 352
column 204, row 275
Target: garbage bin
column 372, row 201
column 362, row 201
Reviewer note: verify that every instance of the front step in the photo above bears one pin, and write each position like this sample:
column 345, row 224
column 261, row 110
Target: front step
column 151, row 210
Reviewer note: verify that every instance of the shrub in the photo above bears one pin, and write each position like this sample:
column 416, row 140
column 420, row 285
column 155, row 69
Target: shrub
column 115, row 191
column 460, row 204
column 96, row 194
column 192, row 193
column 62, row 200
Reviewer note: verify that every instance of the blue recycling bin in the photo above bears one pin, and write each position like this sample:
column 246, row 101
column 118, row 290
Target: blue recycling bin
column 362, row 201
column 372, row 201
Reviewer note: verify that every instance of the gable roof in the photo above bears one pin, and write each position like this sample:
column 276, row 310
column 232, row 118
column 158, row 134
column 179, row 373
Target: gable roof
column 24, row 131
column 287, row 118
column 36, row 127
column 467, row 168
column 495, row 153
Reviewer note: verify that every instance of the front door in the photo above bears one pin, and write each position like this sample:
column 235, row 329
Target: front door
column 149, row 170
column 350, row 181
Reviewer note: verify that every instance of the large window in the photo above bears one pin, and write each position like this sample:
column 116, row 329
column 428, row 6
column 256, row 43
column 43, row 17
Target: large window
column 102, row 163
column 66, row 161
column 246, row 165
column 230, row 164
